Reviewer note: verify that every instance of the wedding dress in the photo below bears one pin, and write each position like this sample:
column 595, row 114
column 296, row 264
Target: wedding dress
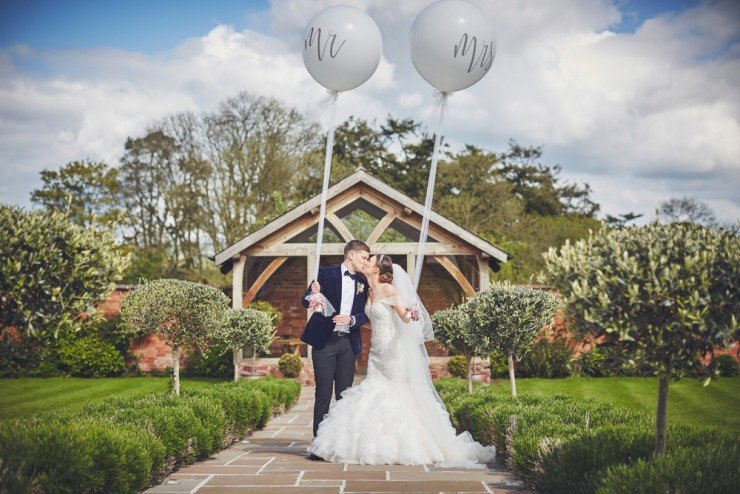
column 395, row 416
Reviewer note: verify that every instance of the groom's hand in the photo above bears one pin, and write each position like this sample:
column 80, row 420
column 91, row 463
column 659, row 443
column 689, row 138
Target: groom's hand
column 341, row 319
column 315, row 287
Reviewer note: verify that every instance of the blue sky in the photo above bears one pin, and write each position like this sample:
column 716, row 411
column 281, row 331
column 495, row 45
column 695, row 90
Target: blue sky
column 149, row 26
column 637, row 98
column 136, row 25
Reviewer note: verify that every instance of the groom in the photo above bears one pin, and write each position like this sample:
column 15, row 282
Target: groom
column 336, row 339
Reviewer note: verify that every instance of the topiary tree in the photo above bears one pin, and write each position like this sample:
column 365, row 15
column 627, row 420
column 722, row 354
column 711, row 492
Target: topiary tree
column 290, row 365
column 452, row 330
column 52, row 270
column 181, row 313
column 508, row 318
column 662, row 296
column 246, row 328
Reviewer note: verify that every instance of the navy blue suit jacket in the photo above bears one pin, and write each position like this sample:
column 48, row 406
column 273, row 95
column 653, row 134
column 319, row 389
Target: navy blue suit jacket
column 319, row 327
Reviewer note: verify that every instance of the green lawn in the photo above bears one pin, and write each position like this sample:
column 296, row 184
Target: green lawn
column 27, row 395
column 715, row 405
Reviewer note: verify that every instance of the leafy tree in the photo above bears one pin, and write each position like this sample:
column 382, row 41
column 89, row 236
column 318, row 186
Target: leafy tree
column 507, row 318
column 472, row 192
column 660, row 295
column 621, row 220
column 51, row 270
column 686, row 209
column 86, row 190
column 246, row 328
column 540, row 186
column 180, row 313
column 452, row 330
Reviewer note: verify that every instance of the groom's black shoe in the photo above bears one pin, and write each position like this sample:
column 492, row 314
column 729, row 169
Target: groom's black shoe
column 314, row 457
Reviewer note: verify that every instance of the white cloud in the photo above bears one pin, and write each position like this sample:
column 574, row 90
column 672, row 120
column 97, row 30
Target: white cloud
column 641, row 116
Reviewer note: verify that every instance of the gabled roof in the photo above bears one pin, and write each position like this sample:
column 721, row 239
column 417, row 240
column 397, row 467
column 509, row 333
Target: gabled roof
column 358, row 177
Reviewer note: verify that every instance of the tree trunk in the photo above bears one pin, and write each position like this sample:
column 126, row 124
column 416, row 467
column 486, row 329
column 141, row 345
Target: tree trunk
column 661, row 419
column 235, row 361
column 469, row 362
column 176, row 368
column 511, row 375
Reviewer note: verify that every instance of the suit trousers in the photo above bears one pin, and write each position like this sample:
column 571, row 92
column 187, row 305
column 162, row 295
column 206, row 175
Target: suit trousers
column 334, row 368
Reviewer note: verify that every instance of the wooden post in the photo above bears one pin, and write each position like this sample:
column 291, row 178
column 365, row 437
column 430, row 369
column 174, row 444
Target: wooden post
column 237, row 287
column 483, row 275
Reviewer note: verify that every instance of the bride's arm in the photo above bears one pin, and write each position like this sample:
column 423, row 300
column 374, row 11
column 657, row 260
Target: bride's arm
column 398, row 305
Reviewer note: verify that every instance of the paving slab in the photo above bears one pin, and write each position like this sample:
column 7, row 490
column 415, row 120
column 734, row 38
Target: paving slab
column 274, row 461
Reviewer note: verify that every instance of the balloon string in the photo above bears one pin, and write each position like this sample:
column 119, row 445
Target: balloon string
column 332, row 101
column 423, row 233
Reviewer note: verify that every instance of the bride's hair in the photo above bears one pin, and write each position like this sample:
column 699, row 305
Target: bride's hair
column 385, row 264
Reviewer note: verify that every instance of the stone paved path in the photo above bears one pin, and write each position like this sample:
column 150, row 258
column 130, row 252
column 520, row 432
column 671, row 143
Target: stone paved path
column 274, row 460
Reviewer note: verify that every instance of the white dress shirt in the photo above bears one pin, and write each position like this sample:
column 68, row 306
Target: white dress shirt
column 348, row 295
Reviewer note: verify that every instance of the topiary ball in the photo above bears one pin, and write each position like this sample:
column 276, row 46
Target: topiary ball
column 290, row 365
column 458, row 366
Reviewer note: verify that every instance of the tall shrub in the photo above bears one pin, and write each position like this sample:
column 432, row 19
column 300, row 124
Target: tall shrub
column 661, row 295
column 181, row 313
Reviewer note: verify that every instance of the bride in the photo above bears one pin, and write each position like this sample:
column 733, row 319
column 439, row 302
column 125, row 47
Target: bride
column 395, row 416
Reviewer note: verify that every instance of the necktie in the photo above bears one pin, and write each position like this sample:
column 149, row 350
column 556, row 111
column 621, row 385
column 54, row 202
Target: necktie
column 347, row 273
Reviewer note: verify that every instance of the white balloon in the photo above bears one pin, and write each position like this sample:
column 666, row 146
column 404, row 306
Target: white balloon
column 341, row 47
column 452, row 44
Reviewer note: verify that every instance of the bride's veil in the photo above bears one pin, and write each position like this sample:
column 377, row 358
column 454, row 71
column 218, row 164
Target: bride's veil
column 411, row 338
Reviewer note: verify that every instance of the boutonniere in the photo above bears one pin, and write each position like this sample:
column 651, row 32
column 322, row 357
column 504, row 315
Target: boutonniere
column 360, row 288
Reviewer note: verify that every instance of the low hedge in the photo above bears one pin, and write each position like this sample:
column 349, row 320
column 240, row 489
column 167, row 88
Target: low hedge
column 561, row 444
column 125, row 444
column 713, row 468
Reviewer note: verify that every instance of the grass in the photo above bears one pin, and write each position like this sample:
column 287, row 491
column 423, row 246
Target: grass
column 23, row 396
column 688, row 401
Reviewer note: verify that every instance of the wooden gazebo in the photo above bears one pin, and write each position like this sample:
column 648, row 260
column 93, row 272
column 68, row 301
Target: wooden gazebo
column 275, row 262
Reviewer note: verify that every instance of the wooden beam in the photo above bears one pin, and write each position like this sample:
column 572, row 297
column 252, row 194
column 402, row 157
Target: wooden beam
column 237, row 285
column 237, row 282
column 340, row 226
column 411, row 265
column 382, row 226
column 483, row 275
column 456, row 274
column 336, row 249
column 261, row 279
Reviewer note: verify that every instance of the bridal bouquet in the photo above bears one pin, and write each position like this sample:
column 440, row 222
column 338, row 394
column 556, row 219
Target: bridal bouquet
column 413, row 312
column 318, row 303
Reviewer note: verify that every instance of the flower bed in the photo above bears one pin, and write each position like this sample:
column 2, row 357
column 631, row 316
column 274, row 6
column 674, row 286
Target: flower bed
column 564, row 444
column 125, row 444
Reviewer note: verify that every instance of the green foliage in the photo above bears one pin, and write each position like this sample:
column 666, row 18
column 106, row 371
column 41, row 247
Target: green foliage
column 546, row 359
column 712, row 468
column 562, row 443
column 86, row 190
column 246, row 328
column 267, row 307
column 179, row 312
column 18, row 356
column 89, row 356
column 452, row 330
column 507, row 318
column 598, row 362
column 126, row 444
column 458, row 366
column 660, row 295
column 214, row 361
column 51, row 270
column 290, row 365
column 727, row 366
column 498, row 364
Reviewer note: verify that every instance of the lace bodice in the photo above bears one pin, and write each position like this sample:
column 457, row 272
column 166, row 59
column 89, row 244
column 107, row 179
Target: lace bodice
column 383, row 348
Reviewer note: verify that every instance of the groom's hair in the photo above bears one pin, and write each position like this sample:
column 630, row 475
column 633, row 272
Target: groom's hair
column 355, row 245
